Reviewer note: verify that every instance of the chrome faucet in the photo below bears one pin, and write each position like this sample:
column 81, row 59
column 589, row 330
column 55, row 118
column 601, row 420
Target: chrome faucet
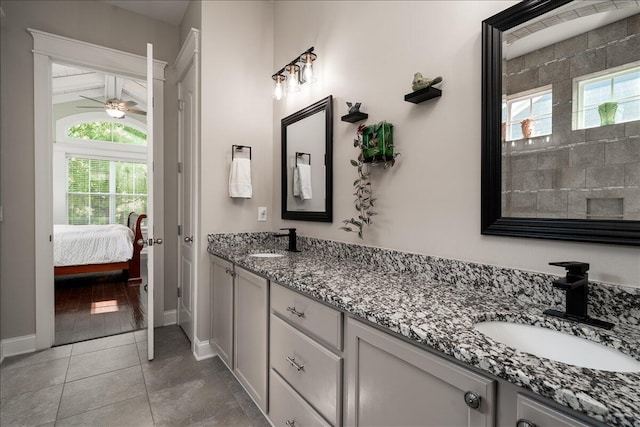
column 292, row 238
column 576, row 285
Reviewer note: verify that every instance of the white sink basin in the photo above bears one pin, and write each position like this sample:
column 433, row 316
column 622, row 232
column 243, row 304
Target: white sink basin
column 559, row 346
column 266, row 255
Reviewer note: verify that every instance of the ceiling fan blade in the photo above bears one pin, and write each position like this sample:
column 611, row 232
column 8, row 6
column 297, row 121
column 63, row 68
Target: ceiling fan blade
column 129, row 103
column 92, row 99
column 135, row 111
column 79, row 106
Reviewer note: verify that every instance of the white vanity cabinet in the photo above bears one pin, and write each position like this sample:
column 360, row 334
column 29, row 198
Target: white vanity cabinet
column 240, row 325
column 251, row 320
column 221, row 291
column 306, row 362
column 392, row 383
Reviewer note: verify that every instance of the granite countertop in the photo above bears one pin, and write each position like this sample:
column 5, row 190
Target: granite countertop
column 442, row 317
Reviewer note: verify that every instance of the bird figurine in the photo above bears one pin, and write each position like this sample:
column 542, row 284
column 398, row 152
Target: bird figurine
column 354, row 108
column 420, row 82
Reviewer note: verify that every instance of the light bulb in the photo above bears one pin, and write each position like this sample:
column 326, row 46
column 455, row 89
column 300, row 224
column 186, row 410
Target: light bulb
column 278, row 92
column 308, row 73
column 293, row 86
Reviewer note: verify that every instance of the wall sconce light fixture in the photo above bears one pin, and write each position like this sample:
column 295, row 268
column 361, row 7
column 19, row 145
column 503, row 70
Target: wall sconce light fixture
column 291, row 73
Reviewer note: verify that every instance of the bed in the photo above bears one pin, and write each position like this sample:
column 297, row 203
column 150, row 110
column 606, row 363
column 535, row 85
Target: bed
column 98, row 248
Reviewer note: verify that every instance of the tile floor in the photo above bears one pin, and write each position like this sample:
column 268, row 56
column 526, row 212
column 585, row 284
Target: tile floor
column 109, row 382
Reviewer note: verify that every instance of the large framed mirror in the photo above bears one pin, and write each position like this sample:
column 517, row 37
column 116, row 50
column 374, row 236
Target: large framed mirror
column 561, row 121
column 307, row 175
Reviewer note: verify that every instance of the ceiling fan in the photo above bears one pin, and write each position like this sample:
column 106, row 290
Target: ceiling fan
column 115, row 108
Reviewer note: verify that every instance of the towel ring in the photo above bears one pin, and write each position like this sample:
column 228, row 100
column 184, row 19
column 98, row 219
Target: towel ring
column 299, row 154
column 235, row 148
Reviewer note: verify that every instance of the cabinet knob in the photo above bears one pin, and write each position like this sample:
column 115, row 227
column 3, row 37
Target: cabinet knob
column 525, row 423
column 472, row 399
column 295, row 364
column 290, row 423
column 293, row 310
column 188, row 239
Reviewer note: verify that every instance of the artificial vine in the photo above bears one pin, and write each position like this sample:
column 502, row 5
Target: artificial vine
column 377, row 153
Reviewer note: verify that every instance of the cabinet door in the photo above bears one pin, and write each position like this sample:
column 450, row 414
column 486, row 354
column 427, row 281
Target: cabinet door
column 222, row 309
column 393, row 383
column 251, row 327
column 533, row 413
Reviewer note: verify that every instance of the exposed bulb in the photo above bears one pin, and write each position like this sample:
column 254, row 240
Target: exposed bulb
column 308, row 73
column 115, row 113
column 292, row 79
column 278, row 91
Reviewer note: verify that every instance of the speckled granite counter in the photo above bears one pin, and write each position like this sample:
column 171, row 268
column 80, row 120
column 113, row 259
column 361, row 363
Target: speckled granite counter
column 436, row 301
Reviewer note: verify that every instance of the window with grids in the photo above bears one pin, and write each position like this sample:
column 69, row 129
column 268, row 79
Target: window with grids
column 534, row 105
column 621, row 87
column 104, row 191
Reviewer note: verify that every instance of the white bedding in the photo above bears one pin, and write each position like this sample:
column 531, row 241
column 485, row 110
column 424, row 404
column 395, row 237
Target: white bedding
column 91, row 244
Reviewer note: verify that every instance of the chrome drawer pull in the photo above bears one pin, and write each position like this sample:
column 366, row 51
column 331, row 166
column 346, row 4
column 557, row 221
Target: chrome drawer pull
column 290, row 423
column 525, row 423
column 293, row 310
column 295, row 364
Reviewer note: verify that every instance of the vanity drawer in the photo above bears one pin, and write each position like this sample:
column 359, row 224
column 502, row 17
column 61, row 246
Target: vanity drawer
column 314, row 317
column 287, row 408
column 312, row 370
column 540, row 415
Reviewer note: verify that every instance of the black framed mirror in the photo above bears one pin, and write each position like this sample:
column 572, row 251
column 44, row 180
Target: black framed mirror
column 576, row 176
column 306, row 165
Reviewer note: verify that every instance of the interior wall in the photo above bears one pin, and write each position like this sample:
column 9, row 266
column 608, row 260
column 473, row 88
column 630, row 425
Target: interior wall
column 236, row 108
column 429, row 202
column 192, row 19
column 94, row 22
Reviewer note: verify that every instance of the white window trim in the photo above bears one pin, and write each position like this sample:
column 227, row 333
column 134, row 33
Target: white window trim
column 519, row 96
column 577, row 116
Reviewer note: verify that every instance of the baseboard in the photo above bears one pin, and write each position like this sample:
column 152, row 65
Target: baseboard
column 17, row 345
column 203, row 350
column 169, row 317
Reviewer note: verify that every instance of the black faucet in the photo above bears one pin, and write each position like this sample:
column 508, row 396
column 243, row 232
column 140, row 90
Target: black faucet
column 576, row 284
column 292, row 238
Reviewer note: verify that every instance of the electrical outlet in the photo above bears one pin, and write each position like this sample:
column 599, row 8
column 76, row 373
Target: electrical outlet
column 262, row 214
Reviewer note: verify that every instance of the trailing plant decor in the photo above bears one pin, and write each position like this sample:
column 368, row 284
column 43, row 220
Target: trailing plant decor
column 376, row 146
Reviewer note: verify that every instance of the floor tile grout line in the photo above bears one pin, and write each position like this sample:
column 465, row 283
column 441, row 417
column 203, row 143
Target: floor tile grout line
column 144, row 381
column 64, row 383
column 101, row 373
column 99, row 407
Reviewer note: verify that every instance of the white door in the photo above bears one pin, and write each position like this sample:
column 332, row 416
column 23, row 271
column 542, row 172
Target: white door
column 152, row 239
column 187, row 131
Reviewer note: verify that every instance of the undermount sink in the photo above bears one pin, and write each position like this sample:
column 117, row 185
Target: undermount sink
column 559, row 346
column 266, row 255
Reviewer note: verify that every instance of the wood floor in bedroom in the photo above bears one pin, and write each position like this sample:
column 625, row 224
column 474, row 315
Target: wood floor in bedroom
column 96, row 305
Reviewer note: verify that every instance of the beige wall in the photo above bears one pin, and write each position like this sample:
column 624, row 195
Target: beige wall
column 93, row 22
column 236, row 108
column 192, row 19
column 430, row 201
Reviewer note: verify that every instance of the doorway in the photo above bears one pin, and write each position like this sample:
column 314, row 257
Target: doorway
column 49, row 48
column 99, row 167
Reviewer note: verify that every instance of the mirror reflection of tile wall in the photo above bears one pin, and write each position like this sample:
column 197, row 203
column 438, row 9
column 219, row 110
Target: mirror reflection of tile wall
column 591, row 173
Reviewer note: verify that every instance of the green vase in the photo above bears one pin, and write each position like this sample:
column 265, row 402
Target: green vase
column 607, row 111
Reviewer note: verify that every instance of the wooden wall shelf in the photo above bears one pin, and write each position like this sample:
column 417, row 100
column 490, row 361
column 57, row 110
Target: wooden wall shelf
column 423, row 95
column 354, row 117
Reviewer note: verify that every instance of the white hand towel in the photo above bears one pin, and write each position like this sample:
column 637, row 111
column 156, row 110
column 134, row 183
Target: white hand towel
column 304, row 177
column 240, row 179
column 296, row 182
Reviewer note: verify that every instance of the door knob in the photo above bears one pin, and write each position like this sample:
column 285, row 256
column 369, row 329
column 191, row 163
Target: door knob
column 157, row 241
column 142, row 242
column 188, row 239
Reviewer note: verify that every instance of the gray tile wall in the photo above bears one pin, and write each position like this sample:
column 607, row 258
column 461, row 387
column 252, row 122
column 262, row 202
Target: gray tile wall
column 555, row 176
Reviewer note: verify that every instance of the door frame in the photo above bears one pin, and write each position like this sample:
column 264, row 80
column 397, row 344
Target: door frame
column 48, row 48
column 188, row 57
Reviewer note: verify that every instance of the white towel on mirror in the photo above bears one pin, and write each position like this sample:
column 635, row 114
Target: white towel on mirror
column 302, row 181
column 240, row 179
